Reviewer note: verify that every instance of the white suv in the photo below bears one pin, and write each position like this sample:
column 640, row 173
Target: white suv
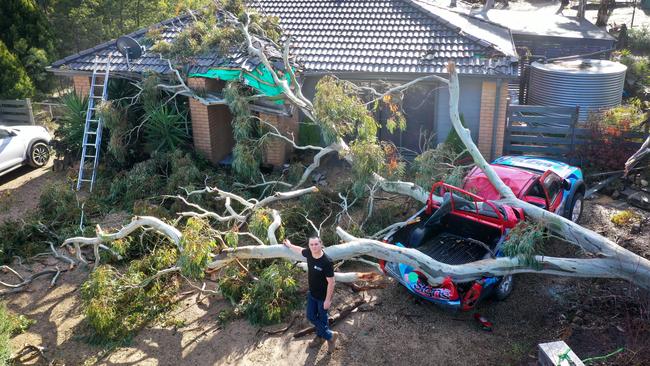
column 21, row 145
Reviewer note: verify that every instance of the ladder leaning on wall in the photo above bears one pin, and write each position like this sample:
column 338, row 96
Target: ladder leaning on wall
column 92, row 139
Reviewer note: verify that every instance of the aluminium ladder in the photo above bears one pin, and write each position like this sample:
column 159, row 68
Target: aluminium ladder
column 92, row 139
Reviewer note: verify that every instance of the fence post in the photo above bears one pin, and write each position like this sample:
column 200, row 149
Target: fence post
column 30, row 112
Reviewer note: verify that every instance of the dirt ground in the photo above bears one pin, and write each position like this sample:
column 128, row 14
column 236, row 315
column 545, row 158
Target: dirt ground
column 594, row 317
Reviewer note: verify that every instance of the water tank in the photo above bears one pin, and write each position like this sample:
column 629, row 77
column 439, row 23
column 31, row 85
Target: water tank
column 593, row 85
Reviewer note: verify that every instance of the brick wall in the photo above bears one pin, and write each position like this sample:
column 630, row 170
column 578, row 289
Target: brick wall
column 81, row 85
column 276, row 150
column 488, row 100
column 211, row 125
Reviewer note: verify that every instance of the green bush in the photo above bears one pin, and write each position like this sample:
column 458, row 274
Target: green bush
column 10, row 325
column 268, row 300
column 117, row 305
column 68, row 136
column 165, row 130
column 58, row 205
column 14, row 82
column 163, row 174
column 639, row 39
column 309, row 134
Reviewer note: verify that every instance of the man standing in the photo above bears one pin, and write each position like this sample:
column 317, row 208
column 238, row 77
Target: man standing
column 320, row 272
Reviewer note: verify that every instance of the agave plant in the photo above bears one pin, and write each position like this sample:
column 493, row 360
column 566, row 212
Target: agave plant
column 69, row 133
column 164, row 130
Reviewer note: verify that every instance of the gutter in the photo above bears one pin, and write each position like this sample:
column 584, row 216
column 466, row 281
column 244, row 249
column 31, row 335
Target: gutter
column 495, row 118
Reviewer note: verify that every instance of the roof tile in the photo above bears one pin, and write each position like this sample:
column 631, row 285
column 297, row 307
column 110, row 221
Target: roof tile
column 331, row 36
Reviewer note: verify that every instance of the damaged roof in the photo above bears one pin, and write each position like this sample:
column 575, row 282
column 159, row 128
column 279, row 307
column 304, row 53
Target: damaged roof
column 370, row 36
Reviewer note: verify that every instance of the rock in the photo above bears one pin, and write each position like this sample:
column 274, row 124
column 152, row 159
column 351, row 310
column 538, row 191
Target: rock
column 639, row 199
column 578, row 320
column 616, row 194
column 644, row 183
column 636, row 228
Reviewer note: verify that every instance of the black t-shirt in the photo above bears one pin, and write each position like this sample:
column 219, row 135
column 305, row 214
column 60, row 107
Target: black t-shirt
column 317, row 271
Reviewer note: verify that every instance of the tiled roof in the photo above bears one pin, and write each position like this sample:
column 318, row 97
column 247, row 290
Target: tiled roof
column 377, row 36
column 381, row 36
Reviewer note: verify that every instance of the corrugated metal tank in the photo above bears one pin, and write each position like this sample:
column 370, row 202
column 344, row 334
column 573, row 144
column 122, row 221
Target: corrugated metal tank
column 591, row 84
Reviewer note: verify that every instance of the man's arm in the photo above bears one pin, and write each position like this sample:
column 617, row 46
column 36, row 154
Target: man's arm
column 294, row 248
column 330, row 293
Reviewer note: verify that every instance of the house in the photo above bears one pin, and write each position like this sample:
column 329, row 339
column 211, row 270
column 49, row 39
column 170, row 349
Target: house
column 365, row 41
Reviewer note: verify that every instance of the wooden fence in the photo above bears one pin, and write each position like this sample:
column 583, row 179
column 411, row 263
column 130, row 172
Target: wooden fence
column 16, row 112
column 552, row 132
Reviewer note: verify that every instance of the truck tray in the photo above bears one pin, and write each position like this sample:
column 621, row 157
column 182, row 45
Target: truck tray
column 453, row 249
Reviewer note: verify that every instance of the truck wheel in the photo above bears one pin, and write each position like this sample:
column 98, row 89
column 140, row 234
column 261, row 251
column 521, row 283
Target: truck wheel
column 39, row 154
column 575, row 212
column 504, row 288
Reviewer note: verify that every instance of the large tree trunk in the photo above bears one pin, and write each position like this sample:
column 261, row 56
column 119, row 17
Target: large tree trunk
column 616, row 260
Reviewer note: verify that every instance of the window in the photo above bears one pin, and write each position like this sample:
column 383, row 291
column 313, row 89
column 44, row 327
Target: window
column 553, row 184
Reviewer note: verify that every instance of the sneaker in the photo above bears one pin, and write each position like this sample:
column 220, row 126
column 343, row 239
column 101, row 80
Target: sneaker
column 331, row 344
column 316, row 342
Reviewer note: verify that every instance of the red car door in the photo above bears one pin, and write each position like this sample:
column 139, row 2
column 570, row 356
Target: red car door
column 552, row 184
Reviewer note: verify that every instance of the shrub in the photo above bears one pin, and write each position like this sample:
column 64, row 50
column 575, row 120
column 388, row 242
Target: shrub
column 58, row 205
column 116, row 305
column 608, row 147
column 269, row 299
column 162, row 174
column 14, row 81
column 165, row 130
column 639, row 39
column 68, row 136
column 10, row 325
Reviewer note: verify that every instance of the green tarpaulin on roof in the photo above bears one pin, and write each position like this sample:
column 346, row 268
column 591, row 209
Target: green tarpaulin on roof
column 259, row 79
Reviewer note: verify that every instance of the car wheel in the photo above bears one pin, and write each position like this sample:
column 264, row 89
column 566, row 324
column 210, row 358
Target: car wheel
column 504, row 288
column 575, row 212
column 39, row 154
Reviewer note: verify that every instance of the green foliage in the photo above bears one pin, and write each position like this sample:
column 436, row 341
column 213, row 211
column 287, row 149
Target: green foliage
column 638, row 69
column 162, row 174
column 309, row 134
column 14, row 81
column 115, row 119
column 210, row 32
column 10, row 325
column 524, row 242
column 117, row 305
column 609, row 146
column 341, row 112
column 58, row 204
column 198, row 242
column 438, row 164
column 247, row 155
column 368, row 157
column 165, row 130
column 625, row 117
column 56, row 218
column 69, row 134
column 453, row 141
column 26, row 32
column 639, row 39
column 259, row 223
column 269, row 299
